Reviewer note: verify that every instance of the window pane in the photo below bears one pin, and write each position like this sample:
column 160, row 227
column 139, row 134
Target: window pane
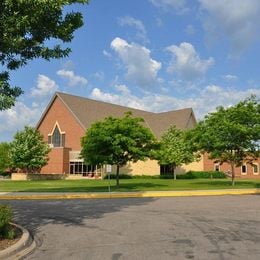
column 56, row 138
column 255, row 168
column 49, row 139
column 71, row 168
column 243, row 168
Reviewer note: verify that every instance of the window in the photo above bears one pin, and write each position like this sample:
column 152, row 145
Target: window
column 166, row 169
column 243, row 169
column 78, row 167
column 56, row 138
column 255, row 169
column 216, row 167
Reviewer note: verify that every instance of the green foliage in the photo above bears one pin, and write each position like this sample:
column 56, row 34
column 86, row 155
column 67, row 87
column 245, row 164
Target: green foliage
column 202, row 175
column 5, row 158
column 122, row 176
column 230, row 135
column 117, row 141
column 26, row 27
column 29, row 152
column 6, row 216
column 174, row 150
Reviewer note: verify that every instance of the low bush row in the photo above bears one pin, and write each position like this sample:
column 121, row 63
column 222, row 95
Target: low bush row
column 202, row 175
column 188, row 175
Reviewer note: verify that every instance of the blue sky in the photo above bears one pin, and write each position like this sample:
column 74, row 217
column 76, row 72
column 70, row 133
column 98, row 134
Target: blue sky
column 155, row 55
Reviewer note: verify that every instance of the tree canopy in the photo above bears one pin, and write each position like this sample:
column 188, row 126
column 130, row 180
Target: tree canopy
column 117, row 141
column 230, row 134
column 5, row 160
column 174, row 150
column 29, row 152
column 26, row 28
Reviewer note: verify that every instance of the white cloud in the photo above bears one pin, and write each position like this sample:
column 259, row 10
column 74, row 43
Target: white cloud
column 45, row 87
column 204, row 102
column 141, row 68
column 107, row 54
column 73, row 80
column 236, row 20
column 187, row 63
column 17, row 117
column 124, row 98
column 137, row 24
column 230, row 77
column 178, row 6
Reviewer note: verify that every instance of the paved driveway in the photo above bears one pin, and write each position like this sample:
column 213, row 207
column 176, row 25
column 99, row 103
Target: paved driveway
column 223, row 227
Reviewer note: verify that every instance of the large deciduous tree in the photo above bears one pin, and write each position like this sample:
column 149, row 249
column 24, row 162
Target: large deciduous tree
column 29, row 152
column 117, row 141
column 25, row 29
column 5, row 159
column 174, row 150
column 230, row 135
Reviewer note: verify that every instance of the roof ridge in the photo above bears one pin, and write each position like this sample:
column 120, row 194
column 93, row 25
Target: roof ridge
column 104, row 102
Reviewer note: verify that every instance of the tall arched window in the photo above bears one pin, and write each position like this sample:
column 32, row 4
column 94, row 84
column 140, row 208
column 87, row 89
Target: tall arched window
column 57, row 138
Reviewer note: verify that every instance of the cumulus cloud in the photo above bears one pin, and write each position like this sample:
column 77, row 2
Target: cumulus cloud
column 178, row 6
column 137, row 24
column 124, row 97
column 44, row 88
column 73, row 79
column 204, row 102
column 17, row 117
column 236, row 20
column 187, row 63
column 140, row 67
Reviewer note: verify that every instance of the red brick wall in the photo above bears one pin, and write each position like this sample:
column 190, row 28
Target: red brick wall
column 209, row 166
column 58, row 161
column 59, row 157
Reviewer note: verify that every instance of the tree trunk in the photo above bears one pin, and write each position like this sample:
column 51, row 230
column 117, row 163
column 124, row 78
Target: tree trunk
column 117, row 176
column 174, row 172
column 233, row 173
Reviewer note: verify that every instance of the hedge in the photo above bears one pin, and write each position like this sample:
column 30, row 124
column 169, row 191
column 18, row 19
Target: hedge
column 202, row 175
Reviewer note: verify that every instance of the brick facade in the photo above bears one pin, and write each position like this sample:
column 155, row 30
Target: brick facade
column 209, row 165
column 73, row 115
column 59, row 114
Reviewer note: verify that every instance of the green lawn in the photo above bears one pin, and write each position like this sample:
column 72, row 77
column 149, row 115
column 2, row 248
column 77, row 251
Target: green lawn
column 125, row 185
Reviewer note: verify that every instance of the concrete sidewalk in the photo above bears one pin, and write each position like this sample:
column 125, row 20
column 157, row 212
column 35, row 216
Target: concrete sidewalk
column 107, row 195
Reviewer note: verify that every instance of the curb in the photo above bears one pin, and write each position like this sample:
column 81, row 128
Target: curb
column 146, row 194
column 20, row 249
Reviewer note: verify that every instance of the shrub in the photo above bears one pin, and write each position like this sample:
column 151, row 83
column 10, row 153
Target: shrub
column 167, row 176
column 121, row 176
column 202, row 175
column 6, row 216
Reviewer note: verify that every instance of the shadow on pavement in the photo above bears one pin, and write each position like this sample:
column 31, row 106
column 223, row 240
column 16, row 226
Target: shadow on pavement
column 33, row 214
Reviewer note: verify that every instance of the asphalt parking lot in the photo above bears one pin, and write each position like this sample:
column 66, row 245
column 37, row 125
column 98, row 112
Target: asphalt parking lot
column 217, row 227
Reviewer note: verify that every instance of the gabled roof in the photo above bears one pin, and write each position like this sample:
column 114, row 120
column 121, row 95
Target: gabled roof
column 87, row 111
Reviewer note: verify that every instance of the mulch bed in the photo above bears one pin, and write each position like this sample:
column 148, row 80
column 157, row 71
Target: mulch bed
column 5, row 243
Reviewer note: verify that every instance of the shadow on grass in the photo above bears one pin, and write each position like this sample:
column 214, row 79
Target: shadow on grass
column 81, row 186
column 139, row 186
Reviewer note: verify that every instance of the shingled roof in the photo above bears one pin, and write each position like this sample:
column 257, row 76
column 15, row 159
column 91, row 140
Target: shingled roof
column 87, row 111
